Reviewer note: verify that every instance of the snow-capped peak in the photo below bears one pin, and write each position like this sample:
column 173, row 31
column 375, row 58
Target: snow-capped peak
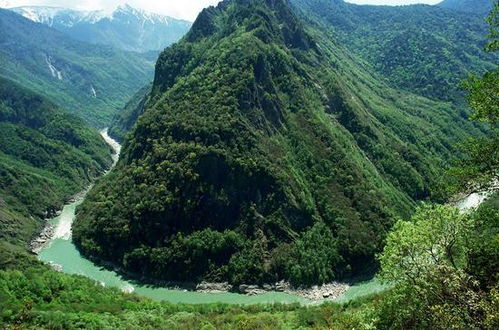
column 70, row 17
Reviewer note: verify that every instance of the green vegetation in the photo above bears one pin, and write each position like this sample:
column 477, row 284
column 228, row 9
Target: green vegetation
column 264, row 151
column 46, row 155
column 480, row 168
column 445, row 266
column 90, row 81
column 261, row 136
column 480, row 7
column 124, row 120
column 33, row 296
column 426, row 50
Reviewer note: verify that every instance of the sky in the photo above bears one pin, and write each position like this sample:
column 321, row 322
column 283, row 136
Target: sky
column 186, row 9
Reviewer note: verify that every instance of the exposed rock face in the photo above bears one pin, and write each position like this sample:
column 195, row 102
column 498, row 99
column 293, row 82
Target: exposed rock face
column 207, row 287
column 43, row 239
column 315, row 293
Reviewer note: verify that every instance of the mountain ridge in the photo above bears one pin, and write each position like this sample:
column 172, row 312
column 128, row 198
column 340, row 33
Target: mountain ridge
column 46, row 155
column 479, row 7
column 124, row 27
column 427, row 50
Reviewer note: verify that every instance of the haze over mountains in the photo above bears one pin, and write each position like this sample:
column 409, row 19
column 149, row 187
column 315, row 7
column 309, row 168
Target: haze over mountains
column 125, row 27
column 480, row 7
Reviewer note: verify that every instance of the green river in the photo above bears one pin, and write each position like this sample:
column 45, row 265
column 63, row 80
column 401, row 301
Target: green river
column 62, row 252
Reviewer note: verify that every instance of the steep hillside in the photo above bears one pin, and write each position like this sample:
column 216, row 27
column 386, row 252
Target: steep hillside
column 90, row 81
column 46, row 155
column 266, row 152
column 124, row 120
column 426, row 50
column 480, row 7
column 126, row 28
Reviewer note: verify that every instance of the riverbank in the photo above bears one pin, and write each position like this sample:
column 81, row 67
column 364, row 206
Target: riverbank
column 48, row 231
column 313, row 293
column 63, row 256
column 331, row 290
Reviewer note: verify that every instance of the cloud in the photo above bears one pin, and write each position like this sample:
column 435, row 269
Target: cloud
column 186, row 9
column 393, row 2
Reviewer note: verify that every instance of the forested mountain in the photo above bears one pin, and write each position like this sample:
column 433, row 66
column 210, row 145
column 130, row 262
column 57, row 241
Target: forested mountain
column 426, row 50
column 46, row 155
column 89, row 80
column 126, row 28
column 266, row 151
column 480, row 7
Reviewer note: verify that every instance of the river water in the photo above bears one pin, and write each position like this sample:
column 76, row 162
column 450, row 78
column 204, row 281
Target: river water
column 62, row 252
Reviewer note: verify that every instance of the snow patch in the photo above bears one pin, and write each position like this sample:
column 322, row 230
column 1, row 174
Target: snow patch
column 52, row 16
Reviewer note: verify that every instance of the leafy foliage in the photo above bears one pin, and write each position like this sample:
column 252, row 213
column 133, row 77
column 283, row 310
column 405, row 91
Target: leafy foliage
column 493, row 20
column 444, row 264
column 481, row 167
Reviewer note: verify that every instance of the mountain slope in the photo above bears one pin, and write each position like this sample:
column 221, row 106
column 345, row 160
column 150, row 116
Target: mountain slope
column 78, row 76
column 266, row 151
column 124, row 120
column 426, row 50
column 46, row 155
column 480, row 7
column 126, row 28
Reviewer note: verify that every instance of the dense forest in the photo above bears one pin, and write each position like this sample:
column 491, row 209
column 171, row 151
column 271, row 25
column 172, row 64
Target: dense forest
column 266, row 152
column 124, row 119
column 426, row 50
column 46, row 155
column 481, row 7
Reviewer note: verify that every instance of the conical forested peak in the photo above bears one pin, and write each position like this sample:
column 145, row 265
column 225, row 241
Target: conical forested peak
column 270, row 20
column 233, row 25
column 259, row 157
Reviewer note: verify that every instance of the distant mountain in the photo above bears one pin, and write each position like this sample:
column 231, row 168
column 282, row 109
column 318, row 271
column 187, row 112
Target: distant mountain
column 481, row 7
column 89, row 80
column 424, row 49
column 124, row 119
column 126, row 28
column 46, row 155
